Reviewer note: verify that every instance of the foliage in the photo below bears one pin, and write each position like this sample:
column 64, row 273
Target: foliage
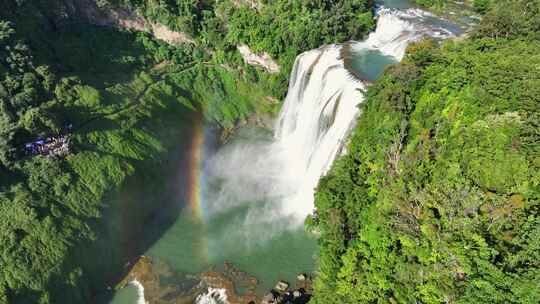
column 480, row 6
column 49, row 206
column 59, row 216
column 431, row 3
column 512, row 19
column 23, row 95
column 436, row 201
column 286, row 28
column 281, row 28
column 438, row 197
column 186, row 16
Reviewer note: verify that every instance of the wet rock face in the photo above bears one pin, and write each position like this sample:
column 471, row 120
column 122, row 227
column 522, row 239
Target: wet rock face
column 281, row 286
column 260, row 120
column 229, row 279
column 283, row 293
column 164, row 286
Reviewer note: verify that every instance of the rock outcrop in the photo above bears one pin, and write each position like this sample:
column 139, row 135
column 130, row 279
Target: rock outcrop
column 284, row 294
column 164, row 286
column 161, row 284
column 127, row 19
column 263, row 60
column 254, row 4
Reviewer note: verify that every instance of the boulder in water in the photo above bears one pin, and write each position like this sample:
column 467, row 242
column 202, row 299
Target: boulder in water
column 281, row 286
column 269, row 298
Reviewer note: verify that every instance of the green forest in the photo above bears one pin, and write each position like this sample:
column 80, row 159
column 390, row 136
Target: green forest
column 438, row 197
column 125, row 100
column 436, row 201
column 481, row 6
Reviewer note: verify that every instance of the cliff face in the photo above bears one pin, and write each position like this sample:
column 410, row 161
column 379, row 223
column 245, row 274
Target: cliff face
column 107, row 15
column 123, row 18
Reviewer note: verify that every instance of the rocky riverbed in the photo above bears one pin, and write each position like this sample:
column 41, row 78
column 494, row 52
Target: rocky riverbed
column 164, row 286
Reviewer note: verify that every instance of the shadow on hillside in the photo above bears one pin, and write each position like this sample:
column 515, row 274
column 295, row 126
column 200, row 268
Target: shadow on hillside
column 150, row 201
column 136, row 217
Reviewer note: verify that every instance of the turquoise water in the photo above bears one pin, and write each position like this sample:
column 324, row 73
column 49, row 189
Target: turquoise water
column 269, row 250
column 399, row 4
column 370, row 64
column 192, row 247
column 127, row 295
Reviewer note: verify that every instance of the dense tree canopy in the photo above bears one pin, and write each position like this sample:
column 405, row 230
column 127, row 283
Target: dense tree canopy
column 126, row 96
column 281, row 28
column 437, row 199
column 287, row 28
column 480, row 6
column 51, row 210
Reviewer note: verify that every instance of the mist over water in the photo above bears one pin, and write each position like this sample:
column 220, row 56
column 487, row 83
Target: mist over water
column 318, row 113
column 277, row 176
column 247, row 175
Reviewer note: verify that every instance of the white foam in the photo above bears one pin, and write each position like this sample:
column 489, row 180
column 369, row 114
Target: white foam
column 322, row 103
column 212, row 296
column 140, row 292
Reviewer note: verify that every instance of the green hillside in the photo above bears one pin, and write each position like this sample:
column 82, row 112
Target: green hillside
column 437, row 199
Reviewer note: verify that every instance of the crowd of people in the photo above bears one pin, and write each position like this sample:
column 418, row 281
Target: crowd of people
column 55, row 146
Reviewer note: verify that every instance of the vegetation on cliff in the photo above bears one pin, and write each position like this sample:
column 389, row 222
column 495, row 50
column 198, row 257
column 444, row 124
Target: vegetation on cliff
column 130, row 100
column 479, row 5
column 280, row 28
column 50, row 208
column 59, row 216
column 438, row 197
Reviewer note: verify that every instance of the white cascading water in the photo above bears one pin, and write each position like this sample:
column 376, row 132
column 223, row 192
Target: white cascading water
column 212, row 296
column 320, row 107
column 319, row 112
column 322, row 104
column 140, row 291
column 392, row 36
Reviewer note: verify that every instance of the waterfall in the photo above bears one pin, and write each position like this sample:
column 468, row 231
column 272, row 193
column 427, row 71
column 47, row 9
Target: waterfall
column 318, row 114
column 321, row 106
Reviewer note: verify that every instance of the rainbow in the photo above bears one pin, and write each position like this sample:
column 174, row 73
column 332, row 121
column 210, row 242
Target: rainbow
column 194, row 186
column 195, row 181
